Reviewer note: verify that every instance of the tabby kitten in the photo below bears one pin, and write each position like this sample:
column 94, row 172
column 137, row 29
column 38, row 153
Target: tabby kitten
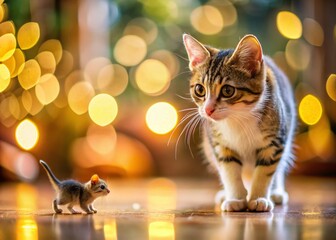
column 249, row 121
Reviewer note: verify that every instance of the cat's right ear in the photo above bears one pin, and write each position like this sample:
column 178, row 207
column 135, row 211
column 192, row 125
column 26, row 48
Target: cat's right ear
column 197, row 53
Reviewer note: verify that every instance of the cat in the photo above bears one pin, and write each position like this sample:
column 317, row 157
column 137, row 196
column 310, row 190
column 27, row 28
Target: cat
column 248, row 116
column 72, row 193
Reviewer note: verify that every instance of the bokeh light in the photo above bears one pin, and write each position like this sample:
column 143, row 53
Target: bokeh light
column 66, row 64
column 298, row 54
column 207, row 20
column 47, row 89
column 8, row 45
column 46, row 61
column 130, row 50
column 80, row 96
column 161, row 118
column 310, row 109
column 142, row 27
column 313, row 32
column 4, row 77
column 28, row 35
column 19, row 58
column 161, row 230
column 169, row 60
column 103, row 109
column 7, row 27
column 331, row 86
column 27, row 134
column 30, row 74
column 54, row 46
column 152, row 77
column 289, row 25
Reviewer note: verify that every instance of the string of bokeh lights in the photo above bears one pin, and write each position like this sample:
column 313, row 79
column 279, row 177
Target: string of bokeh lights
column 27, row 86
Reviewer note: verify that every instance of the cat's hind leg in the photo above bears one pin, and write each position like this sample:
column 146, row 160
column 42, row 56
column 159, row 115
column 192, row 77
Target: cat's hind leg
column 55, row 206
column 278, row 193
column 92, row 208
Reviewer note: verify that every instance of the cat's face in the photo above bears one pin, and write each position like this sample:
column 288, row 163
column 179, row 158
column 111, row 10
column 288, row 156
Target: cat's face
column 225, row 82
column 98, row 186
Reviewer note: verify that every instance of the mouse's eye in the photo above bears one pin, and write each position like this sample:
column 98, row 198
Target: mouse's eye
column 102, row 187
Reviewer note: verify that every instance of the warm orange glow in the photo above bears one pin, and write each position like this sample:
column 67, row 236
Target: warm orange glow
column 94, row 67
column 289, row 25
column 65, row 65
column 207, row 20
column 7, row 27
column 28, row 35
column 19, row 58
column 8, row 45
column 4, row 77
column 169, row 60
column 30, row 74
column 142, row 27
column 310, row 109
column 47, row 89
column 161, row 118
column 102, row 139
column 27, row 134
column 26, row 229
column 103, row 109
column 161, row 194
column 130, row 50
column 152, row 77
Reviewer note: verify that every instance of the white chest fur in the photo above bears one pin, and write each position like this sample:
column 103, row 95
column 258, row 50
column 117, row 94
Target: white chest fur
column 241, row 135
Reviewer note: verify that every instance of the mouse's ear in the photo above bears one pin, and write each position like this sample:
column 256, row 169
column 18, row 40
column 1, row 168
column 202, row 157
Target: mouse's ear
column 94, row 179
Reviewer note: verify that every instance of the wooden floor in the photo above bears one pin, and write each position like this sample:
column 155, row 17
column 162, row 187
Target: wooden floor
column 165, row 209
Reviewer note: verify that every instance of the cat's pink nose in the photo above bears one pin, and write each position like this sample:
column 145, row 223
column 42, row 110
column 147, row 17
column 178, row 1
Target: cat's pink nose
column 209, row 110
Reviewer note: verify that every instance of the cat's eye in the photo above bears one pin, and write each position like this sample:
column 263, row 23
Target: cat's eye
column 199, row 90
column 102, row 187
column 227, row 91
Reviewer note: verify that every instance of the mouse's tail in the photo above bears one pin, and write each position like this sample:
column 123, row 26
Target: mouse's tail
column 53, row 180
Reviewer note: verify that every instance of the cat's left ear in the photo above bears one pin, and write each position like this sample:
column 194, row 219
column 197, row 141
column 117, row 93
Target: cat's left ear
column 94, row 179
column 248, row 55
column 197, row 53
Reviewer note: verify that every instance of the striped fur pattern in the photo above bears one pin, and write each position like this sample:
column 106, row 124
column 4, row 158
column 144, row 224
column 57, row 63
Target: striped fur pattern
column 249, row 118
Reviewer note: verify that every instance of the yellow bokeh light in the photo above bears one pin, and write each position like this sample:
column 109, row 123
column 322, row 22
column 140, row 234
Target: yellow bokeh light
column 310, row 109
column 65, row 65
column 169, row 60
column 27, row 134
column 2, row 11
column 161, row 117
column 289, row 25
column 142, row 27
column 26, row 228
column 103, row 109
column 47, row 89
column 55, row 47
column 313, row 32
column 30, row 74
column 28, row 35
column 110, row 230
column 152, row 77
column 79, row 97
column 27, row 100
column 93, row 68
column 46, row 61
column 161, row 230
column 130, row 50
column 20, row 59
column 207, row 20
column 331, row 86
column 4, row 77
column 113, row 79
column 10, row 64
column 8, row 45
column 298, row 54
column 7, row 27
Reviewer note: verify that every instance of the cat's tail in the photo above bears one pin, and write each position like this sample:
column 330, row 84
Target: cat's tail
column 53, row 180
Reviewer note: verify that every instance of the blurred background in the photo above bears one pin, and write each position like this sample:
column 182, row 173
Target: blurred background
column 99, row 86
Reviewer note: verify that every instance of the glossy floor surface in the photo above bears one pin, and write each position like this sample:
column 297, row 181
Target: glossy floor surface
column 166, row 209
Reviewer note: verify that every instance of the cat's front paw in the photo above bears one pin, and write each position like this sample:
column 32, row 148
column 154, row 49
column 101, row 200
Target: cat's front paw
column 260, row 205
column 279, row 197
column 234, row 205
column 220, row 197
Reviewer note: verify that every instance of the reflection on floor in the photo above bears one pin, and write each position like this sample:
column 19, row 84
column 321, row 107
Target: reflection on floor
column 165, row 209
